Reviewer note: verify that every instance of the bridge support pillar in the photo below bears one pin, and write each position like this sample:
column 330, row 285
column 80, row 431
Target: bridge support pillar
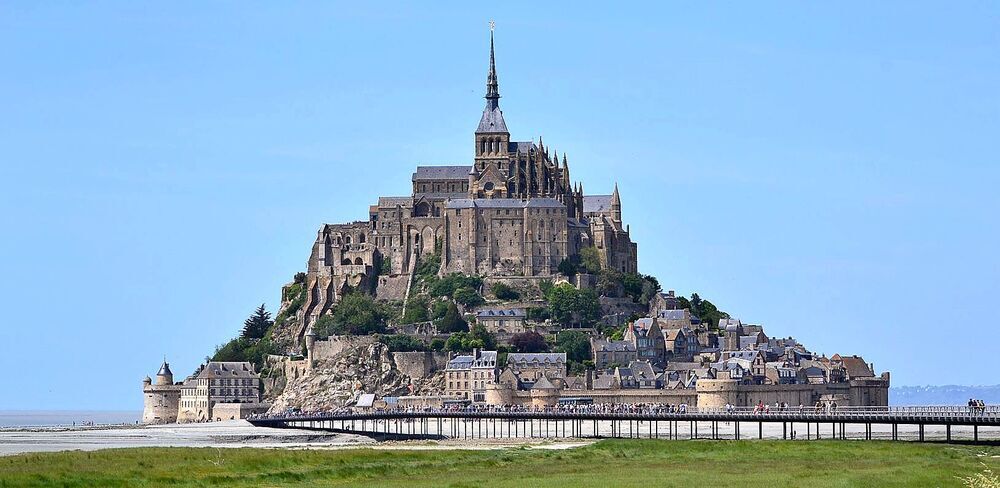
column 760, row 429
column 975, row 433
column 784, row 430
column 947, row 432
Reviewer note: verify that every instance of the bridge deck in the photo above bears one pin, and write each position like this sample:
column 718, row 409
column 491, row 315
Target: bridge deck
column 916, row 423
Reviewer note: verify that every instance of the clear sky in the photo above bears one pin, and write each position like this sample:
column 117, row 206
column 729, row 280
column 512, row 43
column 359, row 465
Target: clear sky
column 829, row 171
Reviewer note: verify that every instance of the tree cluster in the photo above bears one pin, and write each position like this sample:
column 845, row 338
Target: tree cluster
column 703, row 309
column 477, row 338
column 356, row 314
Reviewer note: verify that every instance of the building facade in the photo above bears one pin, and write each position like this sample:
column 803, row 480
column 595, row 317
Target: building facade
column 218, row 383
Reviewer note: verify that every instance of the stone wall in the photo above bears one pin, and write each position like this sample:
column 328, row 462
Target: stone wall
column 334, row 345
column 392, row 287
column 160, row 404
column 420, row 365
column 232, row 411
column 717, row 393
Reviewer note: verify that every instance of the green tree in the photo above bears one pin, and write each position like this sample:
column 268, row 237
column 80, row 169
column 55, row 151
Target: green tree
column 440, row 308
column 452, row 321
column 503, row 291
column 403, row 343
column 483, row 337
column 590, row 260
column 567, row 266
column 416, row 310
column 575, row 344
column 468, row 297
column 356, row 314
column 569, row 305
column 529, row 342
column 256, row 326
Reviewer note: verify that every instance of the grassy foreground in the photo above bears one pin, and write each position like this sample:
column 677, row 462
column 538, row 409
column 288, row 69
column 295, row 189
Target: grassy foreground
column 607, row 463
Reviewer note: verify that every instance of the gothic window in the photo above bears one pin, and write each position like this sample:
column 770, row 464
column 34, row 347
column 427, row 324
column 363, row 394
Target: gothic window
column 361, row 238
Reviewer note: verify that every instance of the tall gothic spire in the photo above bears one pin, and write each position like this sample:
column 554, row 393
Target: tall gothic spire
column 492, row 86
column 492, row 120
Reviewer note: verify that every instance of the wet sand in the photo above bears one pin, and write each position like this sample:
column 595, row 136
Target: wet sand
column 229, row 434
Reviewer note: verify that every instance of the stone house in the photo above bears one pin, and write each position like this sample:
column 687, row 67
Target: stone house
column 529, row 367
column 468, row 376
column 647, row 337
column 218, row 383
column 502, row 322
column 606, row 352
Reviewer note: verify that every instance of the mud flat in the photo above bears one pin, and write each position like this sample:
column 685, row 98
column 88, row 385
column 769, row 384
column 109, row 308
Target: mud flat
column 232, row 433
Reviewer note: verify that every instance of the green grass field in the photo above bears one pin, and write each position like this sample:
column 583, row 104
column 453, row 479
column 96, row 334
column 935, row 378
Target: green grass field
column 641, row 463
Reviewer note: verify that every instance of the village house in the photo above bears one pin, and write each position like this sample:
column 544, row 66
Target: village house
column 503, row 322
column 647, row 338
column 607, row 352
column 468, row 376
column 529, row 367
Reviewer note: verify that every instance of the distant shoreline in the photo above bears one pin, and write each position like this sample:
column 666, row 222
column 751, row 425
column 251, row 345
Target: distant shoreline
column 67, row 418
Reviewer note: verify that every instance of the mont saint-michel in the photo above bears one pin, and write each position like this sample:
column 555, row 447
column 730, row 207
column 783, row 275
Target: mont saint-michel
column 498, row 282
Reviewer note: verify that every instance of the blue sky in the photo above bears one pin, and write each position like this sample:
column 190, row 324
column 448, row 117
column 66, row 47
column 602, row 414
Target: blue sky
column 829, row 171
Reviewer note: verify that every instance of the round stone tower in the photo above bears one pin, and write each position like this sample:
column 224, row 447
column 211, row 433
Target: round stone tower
column 160, row 397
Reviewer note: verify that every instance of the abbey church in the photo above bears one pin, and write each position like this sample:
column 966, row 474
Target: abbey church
column 513, row 212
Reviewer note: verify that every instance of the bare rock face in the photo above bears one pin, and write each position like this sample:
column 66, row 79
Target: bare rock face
column 337, row 382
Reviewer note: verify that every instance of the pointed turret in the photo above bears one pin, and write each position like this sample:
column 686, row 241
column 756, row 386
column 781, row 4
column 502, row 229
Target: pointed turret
column 616, row 205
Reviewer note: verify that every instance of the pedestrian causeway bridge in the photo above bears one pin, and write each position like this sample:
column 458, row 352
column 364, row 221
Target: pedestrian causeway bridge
column 924, row 423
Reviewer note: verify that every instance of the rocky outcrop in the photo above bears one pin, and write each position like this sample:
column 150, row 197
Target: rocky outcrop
column 337, row 381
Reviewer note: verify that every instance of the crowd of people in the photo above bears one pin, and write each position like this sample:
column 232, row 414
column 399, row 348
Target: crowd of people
column 977, row 406
column 652, row 409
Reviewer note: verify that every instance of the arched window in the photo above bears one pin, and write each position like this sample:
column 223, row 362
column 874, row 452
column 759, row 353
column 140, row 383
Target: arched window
column 347, row 239
column 358, row 261
column 361, row 238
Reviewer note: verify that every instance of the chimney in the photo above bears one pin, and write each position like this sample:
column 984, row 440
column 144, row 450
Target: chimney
column 590, row 379
column 670, row 293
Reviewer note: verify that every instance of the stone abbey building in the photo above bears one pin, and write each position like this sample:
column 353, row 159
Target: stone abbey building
column 512, row 212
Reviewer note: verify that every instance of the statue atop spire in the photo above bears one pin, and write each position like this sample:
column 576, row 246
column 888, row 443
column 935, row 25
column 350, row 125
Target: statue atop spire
column 492, row 85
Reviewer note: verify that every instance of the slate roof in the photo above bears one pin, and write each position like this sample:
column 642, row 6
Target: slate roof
column 596, row 203
column 504, row 203
column 543, row 383
column 217, row 369
column 393, row 201
column 522, row 147
column 671, row 314
column 164, row 370
column 613, row 346
column 745, row 355
column 501, row 312
column 642, row 370
column 460, row 362
column 492, row 120
column 528, row 357
column 427, row 173
column 856, row 367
